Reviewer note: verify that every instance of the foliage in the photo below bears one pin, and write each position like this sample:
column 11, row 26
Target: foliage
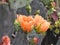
column 52, row 15
column 55, row 24
column 16, row 25
column 47, row 3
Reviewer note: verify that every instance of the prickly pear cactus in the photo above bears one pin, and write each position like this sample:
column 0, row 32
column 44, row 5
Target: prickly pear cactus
column 15, row 4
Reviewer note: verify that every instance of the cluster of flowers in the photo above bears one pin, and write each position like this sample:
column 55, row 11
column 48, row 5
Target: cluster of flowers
column 27, row 23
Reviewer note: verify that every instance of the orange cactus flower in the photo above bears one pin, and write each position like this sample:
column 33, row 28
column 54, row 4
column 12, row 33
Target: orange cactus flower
column 6, row 40
column 38, row 20
column 26, row 22
column 41, row 24
column 19, row 18
column 30, row 18
column 30, row 26
column 24, row 18
column 44, row 27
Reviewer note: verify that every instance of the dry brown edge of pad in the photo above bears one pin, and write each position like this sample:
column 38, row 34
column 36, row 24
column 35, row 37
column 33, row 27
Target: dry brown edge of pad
column 3, row 2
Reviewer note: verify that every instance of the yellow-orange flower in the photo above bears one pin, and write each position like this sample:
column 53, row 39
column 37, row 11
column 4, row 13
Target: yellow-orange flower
column 44, row 27
column 41, row 24
column 19, row 18
column 38, row 20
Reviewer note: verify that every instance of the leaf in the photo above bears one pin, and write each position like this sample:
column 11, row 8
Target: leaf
column 56, row 31
column 43, row 33
column 58, row 14
column 49, row 12
column 16, row 25
column 28, row 9
column 51, row 27
column 46, row 2
column 57, row 23
column 37, row 12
